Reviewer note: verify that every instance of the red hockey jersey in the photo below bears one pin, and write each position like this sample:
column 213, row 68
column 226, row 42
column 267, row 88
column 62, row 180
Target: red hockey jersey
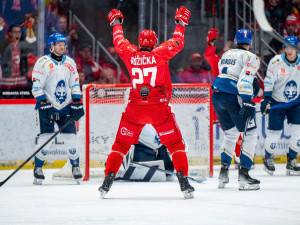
column 149, row 68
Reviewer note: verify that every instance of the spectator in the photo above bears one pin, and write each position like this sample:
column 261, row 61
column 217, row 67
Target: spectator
column 108, row 63
column 14, row 54
column 107, row 76
column 82, row 80
column 196, row 72
column 290, row 26
column 175, row 75
column 290, row 29
column 273, row 10
column 61, row 26
column 85, row 62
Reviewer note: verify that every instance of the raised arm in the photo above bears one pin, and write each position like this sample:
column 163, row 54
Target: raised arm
column 210, row 52
column 122, row 45
column 173, row 46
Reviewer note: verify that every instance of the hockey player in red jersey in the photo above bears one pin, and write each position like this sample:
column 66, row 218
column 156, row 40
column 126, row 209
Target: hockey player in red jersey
column 149, row 97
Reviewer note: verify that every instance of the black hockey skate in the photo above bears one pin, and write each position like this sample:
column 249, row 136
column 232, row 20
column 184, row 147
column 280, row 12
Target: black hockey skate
column 269, row 166
column 246, row 182
column 107, row 184
column 76, row 174
column 292, row 169
column 38, row 176
column 223, row 176
column 185, row 187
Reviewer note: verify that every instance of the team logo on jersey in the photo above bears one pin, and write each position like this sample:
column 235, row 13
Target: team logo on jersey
column 44, row 152
column 273, row 146
column 51, row 66
column 72, row 151
column 69, row 66
column 60, row 92
column 126, row 132
column 290, row 90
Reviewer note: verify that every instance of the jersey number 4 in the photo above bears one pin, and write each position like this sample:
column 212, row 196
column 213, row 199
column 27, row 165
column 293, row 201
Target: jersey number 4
column 144, row 73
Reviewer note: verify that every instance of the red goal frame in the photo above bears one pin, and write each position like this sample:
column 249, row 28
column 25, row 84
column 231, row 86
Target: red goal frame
column 87, row 133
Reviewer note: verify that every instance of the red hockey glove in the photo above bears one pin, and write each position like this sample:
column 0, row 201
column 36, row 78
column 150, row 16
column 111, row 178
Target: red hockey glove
column 113, row 15
column 183, row 15
column 212, row 35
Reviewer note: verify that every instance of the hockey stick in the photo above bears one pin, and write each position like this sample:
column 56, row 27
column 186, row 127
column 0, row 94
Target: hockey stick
column 243, row 137
column 245, row 131
column 213, row 12
column 119, row 4
column 283, row 105
column 40, row 148
column 258, row 9
column 198, row 179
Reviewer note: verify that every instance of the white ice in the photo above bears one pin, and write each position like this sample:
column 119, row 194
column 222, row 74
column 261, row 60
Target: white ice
column 131, row 203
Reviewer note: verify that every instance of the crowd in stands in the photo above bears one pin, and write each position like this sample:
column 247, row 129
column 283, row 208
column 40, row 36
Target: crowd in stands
column 18, row 47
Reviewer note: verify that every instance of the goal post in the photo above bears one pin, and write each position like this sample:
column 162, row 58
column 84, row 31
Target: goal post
column 105, row 103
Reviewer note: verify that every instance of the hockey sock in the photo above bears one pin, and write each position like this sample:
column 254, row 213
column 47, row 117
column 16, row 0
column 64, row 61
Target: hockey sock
column 226, row 156
column 113, row 163
column 293, row 154
column 180, row 162
column 38, row 162
column 74, row 162
column 246, row 162
column 268, row 154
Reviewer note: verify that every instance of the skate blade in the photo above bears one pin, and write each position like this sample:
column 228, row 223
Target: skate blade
column 248, row 187
column 188, row 195
column 222, row 183
column 78, row 181
column 37, row 181
column 292, row 173
column 268, row 171
column 102, row 193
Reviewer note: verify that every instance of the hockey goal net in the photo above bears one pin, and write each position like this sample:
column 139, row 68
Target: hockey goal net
column 104, row 104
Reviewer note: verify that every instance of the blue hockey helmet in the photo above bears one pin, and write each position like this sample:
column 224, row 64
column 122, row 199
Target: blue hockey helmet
column 56, row 37
column 292, row 40
column 243, row 36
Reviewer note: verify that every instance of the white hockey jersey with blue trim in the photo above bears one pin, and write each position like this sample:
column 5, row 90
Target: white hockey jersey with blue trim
column 283, row 79
column 237, row 69
column 58, row 82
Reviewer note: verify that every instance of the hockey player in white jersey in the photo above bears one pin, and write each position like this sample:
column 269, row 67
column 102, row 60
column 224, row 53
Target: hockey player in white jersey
column 57, row 91
column 232, row 101
column 282, row 86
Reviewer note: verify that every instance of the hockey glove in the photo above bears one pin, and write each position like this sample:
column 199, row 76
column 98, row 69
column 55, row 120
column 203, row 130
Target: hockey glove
column 77, row 110
column 46, row 112
column 212, row 36
column 182, row 16
column 256, row 87
column 248, row 109
column 265, row 105
column 113, row 15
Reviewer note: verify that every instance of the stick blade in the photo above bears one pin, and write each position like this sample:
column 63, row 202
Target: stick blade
column 198, row 179
column 258, row 8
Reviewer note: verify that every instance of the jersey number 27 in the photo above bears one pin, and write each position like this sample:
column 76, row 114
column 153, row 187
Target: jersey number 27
column 143, row 73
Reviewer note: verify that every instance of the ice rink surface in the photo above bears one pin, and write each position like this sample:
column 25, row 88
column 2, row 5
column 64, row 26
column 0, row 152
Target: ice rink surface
column 132, row 203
